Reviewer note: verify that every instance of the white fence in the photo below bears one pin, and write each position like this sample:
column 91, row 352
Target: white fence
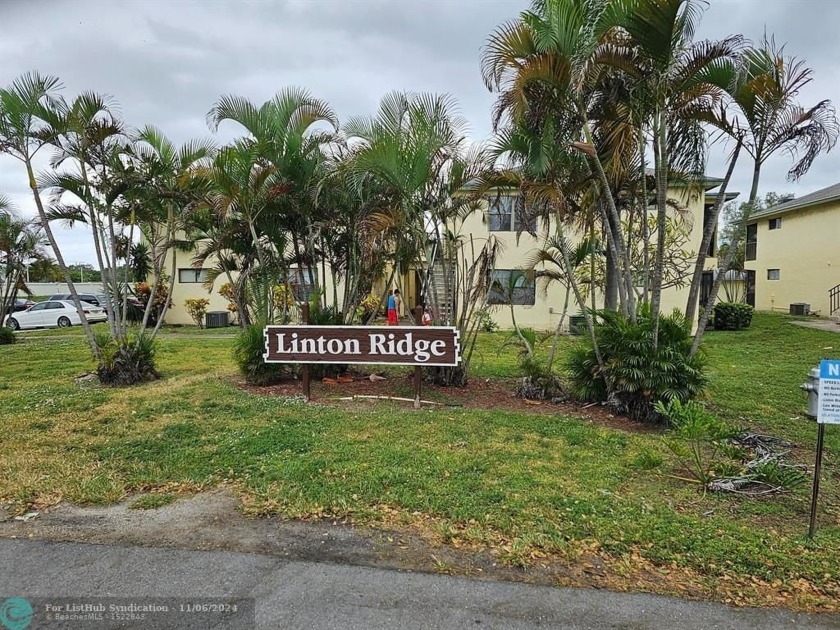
column 46, row 289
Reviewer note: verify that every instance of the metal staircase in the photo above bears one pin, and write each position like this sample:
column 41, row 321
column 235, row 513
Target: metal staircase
column 437, row 289
column 834, row 300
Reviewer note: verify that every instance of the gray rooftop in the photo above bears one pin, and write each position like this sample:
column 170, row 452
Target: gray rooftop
column 830, row 193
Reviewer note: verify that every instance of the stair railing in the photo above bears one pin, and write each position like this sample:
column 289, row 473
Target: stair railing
column 430, row 263
column 834, row 300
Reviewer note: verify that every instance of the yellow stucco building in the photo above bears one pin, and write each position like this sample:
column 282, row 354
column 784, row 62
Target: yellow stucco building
column 793, row 254
column 539, row 304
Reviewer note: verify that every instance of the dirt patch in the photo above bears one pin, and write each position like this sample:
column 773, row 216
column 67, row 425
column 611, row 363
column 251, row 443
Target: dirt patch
column 213, row 520
column 481, row 393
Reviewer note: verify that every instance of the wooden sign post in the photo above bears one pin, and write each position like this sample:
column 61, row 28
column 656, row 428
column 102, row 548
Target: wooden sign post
column 307, row 387
column 418, row 372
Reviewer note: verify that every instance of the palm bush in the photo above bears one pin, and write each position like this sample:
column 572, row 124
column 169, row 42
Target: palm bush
column 7, row 336
column 127, row 363
column 637, row 372
column 248, row 350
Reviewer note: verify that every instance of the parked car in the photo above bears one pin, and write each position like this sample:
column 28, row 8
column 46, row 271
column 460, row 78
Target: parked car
column 54, row 314
column 20, row 305
column 91, row 298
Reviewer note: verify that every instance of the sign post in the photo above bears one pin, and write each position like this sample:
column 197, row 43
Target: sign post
column 418, row 373
column 417, row 346
column 307, row 386
column 828, row 412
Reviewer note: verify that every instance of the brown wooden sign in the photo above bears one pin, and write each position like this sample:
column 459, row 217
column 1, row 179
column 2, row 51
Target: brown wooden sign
column 395, row 345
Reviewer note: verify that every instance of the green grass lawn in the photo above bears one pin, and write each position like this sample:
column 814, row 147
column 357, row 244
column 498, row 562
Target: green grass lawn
column 531, row 487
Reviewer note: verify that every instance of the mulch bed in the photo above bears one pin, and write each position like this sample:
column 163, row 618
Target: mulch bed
column 480, row 393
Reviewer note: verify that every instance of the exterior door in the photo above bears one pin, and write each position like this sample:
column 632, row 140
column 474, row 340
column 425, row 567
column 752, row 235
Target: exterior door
column 749, row 289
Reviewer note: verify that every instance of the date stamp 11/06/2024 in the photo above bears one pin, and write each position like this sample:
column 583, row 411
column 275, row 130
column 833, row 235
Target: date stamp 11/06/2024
column 19, row 613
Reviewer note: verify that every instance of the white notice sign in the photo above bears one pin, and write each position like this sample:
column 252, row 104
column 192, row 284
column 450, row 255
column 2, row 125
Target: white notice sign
column 829, row 405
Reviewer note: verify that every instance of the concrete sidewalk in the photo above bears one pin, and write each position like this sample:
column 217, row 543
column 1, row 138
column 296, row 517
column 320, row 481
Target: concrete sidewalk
column 295, row 594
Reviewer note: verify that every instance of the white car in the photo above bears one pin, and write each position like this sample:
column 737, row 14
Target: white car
column 54, row 314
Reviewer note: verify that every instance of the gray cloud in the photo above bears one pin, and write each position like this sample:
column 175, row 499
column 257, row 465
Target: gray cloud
column 167, row 62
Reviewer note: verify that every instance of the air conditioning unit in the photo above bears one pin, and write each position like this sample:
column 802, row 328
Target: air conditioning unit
column 800, row 308
column 577, row 325
column 216, row 319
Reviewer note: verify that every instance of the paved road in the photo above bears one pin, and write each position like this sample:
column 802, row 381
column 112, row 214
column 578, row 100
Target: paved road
column 320, row 595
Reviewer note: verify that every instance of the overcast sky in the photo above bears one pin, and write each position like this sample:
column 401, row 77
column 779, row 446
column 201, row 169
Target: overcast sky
column 167, row 62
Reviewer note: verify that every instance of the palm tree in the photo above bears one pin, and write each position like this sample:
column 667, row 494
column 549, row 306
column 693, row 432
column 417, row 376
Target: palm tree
column 765, row 99
column 240, row 187
column 87, row 134
column 557, row 262
column 675, row 80
column 26, row 106
column 543, row 65
column 20, row 245
column 411, row 163
column 767, row 118
column 160, row 206
column 284, row 132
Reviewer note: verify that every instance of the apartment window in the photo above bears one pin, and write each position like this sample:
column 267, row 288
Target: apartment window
column 773, row 274
column 752, row 238
column 775, row 224
column 506, row 214
column 512, row 286
column 500, row 214
column 303, row 281
column 192, row 276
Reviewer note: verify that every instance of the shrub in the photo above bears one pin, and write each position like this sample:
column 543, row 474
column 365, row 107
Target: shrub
column 636, row 374
column 733, row 316
column 126, row 364
column 696, row 438
column 486, row 323
column 283, row 298
column 7, row 336
column 320, row 316
column 197, row 308
column 538, row 383
column 367, row 307
column 248, row 350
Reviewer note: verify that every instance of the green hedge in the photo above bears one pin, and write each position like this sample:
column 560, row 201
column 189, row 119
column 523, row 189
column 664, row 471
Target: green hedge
column 7, row 336
column 733, row 316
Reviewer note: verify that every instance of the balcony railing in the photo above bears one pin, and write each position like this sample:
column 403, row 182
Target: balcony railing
column 750, row 254
column 834, row 300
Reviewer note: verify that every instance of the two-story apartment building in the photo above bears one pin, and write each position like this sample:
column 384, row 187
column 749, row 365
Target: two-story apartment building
column 793, row 254
column 539, row 303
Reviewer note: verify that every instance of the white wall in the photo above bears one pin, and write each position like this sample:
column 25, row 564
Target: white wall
column 49, row 288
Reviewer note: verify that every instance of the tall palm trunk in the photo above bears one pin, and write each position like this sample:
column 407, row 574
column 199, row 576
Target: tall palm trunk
column 613, row 223
column 727, row 262
column 660, row 156
column 645, row 219
column 708, row 232
column 59, row 258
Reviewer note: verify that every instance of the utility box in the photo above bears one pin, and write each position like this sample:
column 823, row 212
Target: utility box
column 800, row 308
column 216, row 319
